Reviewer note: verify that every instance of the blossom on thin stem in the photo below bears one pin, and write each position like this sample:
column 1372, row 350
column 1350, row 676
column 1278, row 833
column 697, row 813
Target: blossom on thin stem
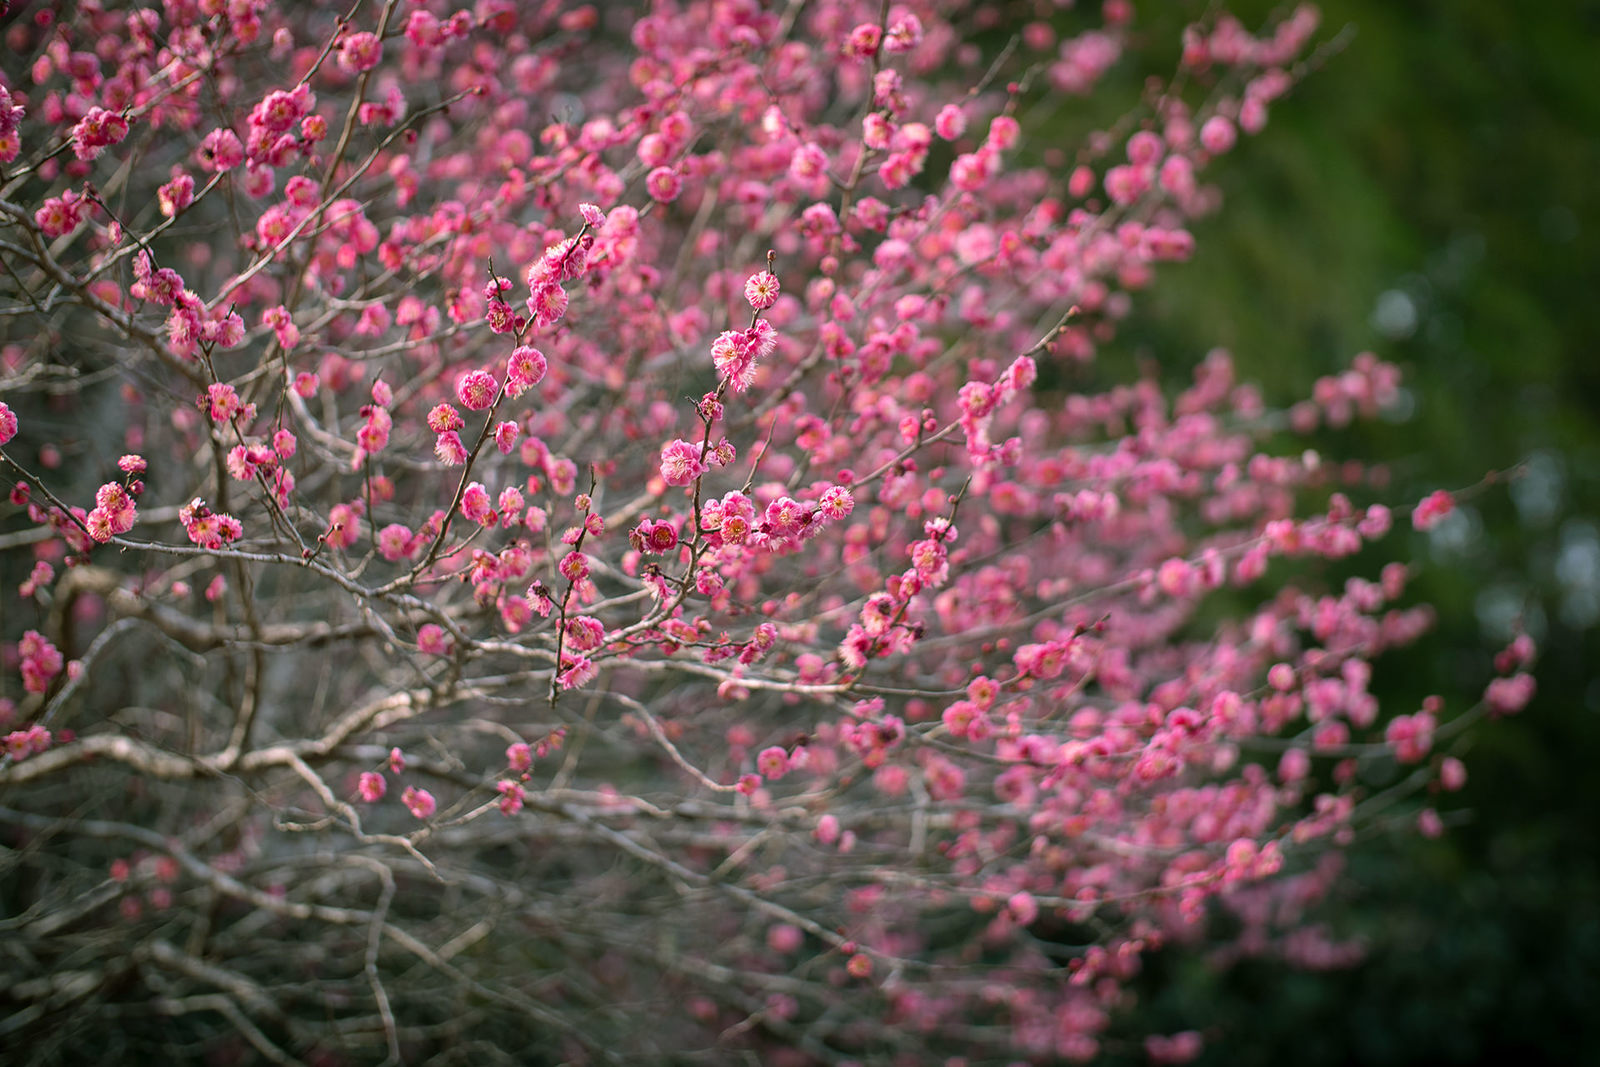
column 419, row 802
column 476, row 390
column 680, row 462
column 761, row 290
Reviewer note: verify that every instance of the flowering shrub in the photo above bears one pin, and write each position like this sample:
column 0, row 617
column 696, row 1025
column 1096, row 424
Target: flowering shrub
column 741, row 624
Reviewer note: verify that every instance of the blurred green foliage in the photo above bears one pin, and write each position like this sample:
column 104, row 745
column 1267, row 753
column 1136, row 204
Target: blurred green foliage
column 1431, row 194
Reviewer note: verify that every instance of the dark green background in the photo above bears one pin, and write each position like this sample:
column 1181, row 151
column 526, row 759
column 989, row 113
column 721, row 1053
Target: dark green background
column 1449, row 156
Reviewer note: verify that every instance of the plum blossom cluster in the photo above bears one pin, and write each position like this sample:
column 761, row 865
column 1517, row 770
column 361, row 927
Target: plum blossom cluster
column 113, row 512
column 40, row 661
column 735, row 352
column 645, row 475
column 207, row 528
